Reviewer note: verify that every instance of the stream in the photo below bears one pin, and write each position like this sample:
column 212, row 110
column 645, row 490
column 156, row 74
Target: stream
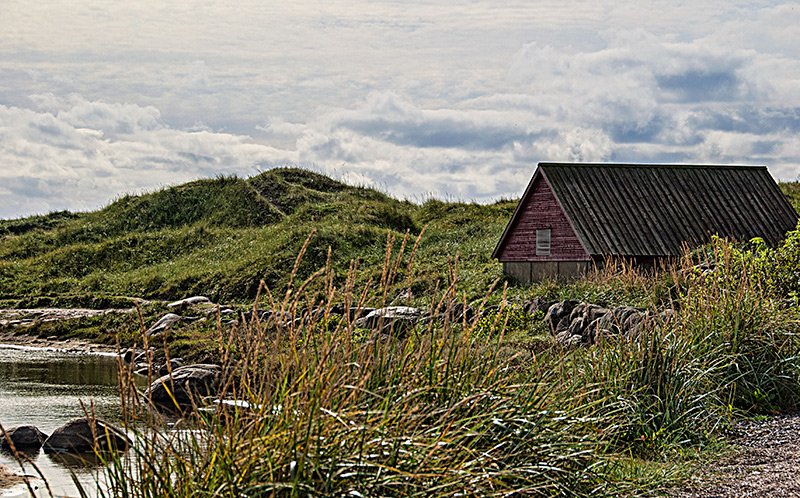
column 45, row 388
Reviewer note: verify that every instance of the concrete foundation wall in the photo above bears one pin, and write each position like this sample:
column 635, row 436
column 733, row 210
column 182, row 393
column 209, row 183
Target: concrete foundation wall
column 528, row 272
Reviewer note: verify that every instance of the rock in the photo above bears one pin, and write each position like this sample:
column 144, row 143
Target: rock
column 163, row 324
column 184, row 303
column 557, row 316
column 185, row 384
column 265, row 316
column 355, row 313
column 578, row 326
column 538, row 307
column 173, row 365
column 84, row 435
column 24, row 437
column 623, row 321
column 567, row 339
column 391, row 319
column 586, row 324
column 458, row 312
column 134, row 356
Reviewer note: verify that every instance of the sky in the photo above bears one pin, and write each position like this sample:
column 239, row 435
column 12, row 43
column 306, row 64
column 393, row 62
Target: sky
column 455, row 100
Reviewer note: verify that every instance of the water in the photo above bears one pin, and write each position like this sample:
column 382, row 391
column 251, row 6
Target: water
column 45, row 388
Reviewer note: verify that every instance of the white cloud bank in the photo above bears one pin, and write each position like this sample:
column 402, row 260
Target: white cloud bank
column 418, row 99
column 78, row 155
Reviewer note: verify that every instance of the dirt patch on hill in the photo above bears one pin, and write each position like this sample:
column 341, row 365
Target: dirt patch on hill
column 766, row 464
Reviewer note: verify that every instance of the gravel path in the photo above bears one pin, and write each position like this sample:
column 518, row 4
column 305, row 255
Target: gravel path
column 767, row 463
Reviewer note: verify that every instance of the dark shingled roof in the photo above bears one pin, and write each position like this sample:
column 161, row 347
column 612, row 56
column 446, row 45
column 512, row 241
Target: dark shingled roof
column 651, row 210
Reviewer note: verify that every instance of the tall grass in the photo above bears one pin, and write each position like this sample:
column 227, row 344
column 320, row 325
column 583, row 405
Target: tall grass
column 729, row 349
column 320, row 407
column 311, row 405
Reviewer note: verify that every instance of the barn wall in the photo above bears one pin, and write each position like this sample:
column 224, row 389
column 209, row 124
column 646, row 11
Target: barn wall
column 542, row 211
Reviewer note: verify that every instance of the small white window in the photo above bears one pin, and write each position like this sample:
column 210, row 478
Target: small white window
column 543, row 242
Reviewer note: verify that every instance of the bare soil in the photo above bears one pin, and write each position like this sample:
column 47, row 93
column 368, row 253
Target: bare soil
column 766, row 463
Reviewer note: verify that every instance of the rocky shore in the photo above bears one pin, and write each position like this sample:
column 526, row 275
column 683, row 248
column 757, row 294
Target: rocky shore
column 26, row 317
column 55, row 343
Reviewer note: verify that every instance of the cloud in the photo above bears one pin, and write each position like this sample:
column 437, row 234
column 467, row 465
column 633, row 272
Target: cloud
column 79, row 155
column 418, row 98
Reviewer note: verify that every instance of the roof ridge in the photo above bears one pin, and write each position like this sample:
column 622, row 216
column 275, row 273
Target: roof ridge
column 654, row 165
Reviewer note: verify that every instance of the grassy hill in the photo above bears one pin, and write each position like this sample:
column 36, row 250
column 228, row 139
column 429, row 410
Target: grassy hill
column 220, row 237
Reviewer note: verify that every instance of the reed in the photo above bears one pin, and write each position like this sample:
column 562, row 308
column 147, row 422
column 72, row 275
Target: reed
column 315, row 406
column 320, row 407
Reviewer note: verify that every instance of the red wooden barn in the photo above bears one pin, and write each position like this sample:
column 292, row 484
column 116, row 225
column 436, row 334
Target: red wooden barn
column 574, row 216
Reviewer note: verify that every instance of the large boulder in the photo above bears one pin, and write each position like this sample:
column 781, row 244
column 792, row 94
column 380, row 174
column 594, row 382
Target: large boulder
column 189, row 301
column 85, row 435
column 391, row 319
column 558, row 316
column 24, row 437
column 185, row 385
column 538, row 307
column 623, row 321
column 164, row 323
column 582, row 321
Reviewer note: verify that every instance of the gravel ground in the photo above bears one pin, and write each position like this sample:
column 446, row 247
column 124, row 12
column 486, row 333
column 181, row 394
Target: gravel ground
column 766, row 463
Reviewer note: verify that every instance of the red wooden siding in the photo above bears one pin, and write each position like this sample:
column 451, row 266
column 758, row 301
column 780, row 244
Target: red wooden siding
column 542, row 211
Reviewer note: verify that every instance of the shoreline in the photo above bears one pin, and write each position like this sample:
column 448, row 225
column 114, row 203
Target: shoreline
column 21, row 340
column 15, row 322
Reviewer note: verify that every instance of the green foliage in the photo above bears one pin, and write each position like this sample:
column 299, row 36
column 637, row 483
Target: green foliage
column 511, row 318
column 781, row 267
column 222, row 202
column 792, row 192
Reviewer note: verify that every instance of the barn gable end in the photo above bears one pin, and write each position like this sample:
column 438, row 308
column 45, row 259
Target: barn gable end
column 539, row 209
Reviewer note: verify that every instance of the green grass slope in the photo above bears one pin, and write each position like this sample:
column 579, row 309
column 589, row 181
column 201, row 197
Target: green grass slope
column 220, row 237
